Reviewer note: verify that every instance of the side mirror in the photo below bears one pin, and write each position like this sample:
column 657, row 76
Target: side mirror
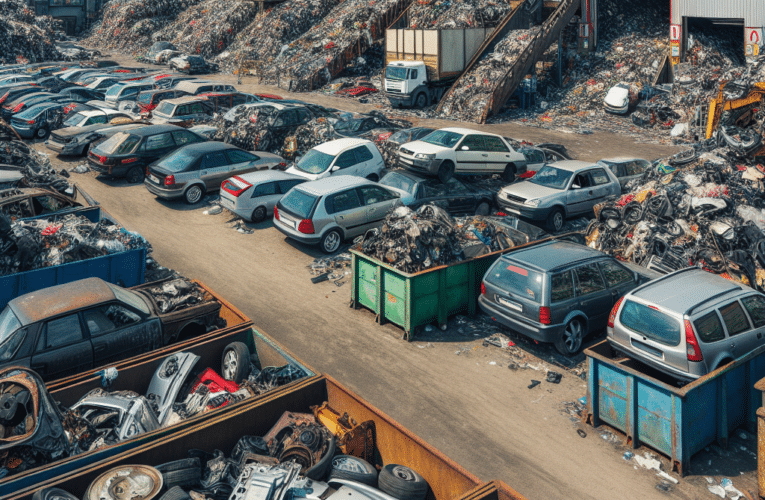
column 576, row 186
column 464, row 148
column 334, row 169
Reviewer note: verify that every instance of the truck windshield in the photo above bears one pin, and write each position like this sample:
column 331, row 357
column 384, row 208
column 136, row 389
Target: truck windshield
column 442, row 138
column 551, row 177
column 516, row 279
column 314, row 162
column 395, row 73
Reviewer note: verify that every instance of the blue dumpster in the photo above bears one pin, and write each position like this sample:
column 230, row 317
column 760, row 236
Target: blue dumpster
column 675, row 421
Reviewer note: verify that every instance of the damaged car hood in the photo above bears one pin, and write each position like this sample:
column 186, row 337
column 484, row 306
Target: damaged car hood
column 168, row 380
column 530, row 191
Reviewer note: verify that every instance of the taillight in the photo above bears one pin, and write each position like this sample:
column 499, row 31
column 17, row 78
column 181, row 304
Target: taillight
column 233, row 189
column 691, row 344
column 544, row 315
column 612, row 316
column 129, row 160
column 282, row 164
column 483, row 289
column 306, row 226
column 276, row 213
column 30, row 122
column 2, row 99
column 18, row 107
column 169, row 180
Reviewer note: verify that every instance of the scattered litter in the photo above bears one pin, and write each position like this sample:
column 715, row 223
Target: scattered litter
column 81, row 169
column 628, row 455
column 214, row 210
column 554, row 377
column 534, row 383
column 718, row 490
column 581, row 433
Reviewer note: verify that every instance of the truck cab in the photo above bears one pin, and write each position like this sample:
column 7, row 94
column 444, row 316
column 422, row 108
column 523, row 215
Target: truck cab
column 406, row 84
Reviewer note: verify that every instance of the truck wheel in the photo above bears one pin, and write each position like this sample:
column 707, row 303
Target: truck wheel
column 330, row 242
column 235, row 362
column 555, row 220
column 421, row 100
column 445, row 172
column 134, row 175
column 402, row 483
column 570, row 341
column 353, row 468
column 259, row 214
column 509, row 174
column 193, row 195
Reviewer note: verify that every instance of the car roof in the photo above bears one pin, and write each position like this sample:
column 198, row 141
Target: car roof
column 43, row 105
column 683, row 290
column 409, row 175
column 204, row 147
column 100, row 111
column 554, row 254
column 59, row 299
column 185, row 99
column 268, row 175
column 621, row 159
column 334, row 183
column 339, row 145
column 573, row 165
column 465, row 131
column 155, row 129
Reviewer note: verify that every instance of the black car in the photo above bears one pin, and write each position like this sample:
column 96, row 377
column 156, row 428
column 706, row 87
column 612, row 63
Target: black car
column 81, row 94
column 453, row 196
column 53, row 83
column 126, row 154
column 15, row 92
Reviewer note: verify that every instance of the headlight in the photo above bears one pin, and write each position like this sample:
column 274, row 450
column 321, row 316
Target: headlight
column 532, row 203
column 424, row 156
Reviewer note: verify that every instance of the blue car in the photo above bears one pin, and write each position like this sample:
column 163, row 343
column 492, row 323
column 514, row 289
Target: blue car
column 36, row 122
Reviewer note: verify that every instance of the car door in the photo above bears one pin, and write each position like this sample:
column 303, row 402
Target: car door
column 345, row 163
column 376, row 202
column 459, row 199
column 285, row 120
column 592, row 295
column 497, row 153
column 619, row 279
column 755, row 308
column 470, row 154
column 118, row 332
column 62, row 348
column 346, row 208
column 431, row 192
column 600, row 184
column 241, row 162
column 362, row 156
column 157, row 146
column 214, row 169
column 267, row 194
column 579, row 195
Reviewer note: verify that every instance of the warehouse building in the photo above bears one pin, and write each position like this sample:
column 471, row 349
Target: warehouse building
column 74, row 14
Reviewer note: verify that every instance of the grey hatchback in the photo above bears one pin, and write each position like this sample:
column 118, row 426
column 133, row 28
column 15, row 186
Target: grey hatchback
column 688, row 323
column 556, row 291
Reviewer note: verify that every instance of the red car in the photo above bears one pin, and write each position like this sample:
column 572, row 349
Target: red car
column 149, row 99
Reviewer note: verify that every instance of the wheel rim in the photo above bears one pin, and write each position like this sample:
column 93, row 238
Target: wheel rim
column 40, row 133
column 332, row 241
column 229, row 365
column 260, row 213
column 346, row 464
column 404, row 473
column 194, row 194
column 421, row 101
column 572, row 336
column 558, row 221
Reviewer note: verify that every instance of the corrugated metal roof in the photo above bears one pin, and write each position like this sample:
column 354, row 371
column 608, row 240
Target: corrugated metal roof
column 751, row 11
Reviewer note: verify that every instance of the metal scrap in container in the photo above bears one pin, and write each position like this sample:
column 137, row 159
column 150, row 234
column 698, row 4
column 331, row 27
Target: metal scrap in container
column 446, row 14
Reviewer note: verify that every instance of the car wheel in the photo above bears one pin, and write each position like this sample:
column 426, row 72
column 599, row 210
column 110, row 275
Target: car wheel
column 259, row 214
column 193, row 194
column 85, row 149
column 445, row 172
column 235, row 362
column 421, row 101
column 353, row 468
column 555, row 220
column 483, row 209
column 402, row 483
column 373, row 177
column 509, row 174
column 134, row 175
column 570, row 341
column 42, row 133
column 330, row 242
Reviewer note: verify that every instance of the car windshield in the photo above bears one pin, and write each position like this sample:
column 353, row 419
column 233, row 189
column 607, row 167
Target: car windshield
column 442, row 138
column 119, row 144
column 75, row 120
column 398, row 181
column 129, row 298
column 395, row 73
column 314, row 162
column 299, row 202
column 516, row 279
column 177, row 161
column 349, row 126
column 9, row 323
column 165, row 108
column 114, row 90
column 650, row 322
column 552, row 177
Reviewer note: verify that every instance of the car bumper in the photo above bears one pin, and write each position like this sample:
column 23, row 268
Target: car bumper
column 522, row 211
column 397, row 99
column 162, row 192
column 616, row 110
column 653, row 363
column 231, row 207
column 541, row 333
column 415, row 165
column 308, row 239
column 24, row 132
column 64, row 149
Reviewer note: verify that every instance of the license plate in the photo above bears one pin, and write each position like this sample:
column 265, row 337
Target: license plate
column 509, row 303
column 153, row 179
column 226, row 202
column 288, row 222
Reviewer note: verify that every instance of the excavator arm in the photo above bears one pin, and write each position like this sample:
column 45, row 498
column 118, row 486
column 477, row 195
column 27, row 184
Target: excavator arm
column 720, row 104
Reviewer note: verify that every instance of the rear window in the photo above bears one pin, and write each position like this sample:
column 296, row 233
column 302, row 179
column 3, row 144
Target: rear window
column 650, row 323
column 299, row 203
column 709, row 327
column 515, row 278
column 144, row 98
column 119, row 144
column 165, row 108
column 735, row 319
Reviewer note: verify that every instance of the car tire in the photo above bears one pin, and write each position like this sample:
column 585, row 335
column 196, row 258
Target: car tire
column 570, row 341
column 373, row 177
column 402, row 483
column 483, row 209
column 259, row 214
column 509, row 174
column 445, row 172
column 42, row 133
column 331, row 241
column 235, row 362
column 134, row 175
column 421, row 100
column 353, row 468
column 555, row 220
column 193, row 194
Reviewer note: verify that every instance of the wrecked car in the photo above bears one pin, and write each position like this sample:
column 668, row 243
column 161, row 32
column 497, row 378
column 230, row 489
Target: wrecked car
column 454, row 196
column 253, row 196
column 617, row 100
column 182, row 110
column 626, row 169
column 30, row 202
column 192, row 64
column 350, row 156
column 76, row 141
column 558, row 191
column 150, row 99
column 66, row 329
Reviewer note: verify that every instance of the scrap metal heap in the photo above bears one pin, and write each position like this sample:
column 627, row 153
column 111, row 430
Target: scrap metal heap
column 178, row 294
column 415, row 241
column 251, row 129
column 703, row 207
column 446, row 14
column 471, row 95
column 36, row 168
column 26, row 38
column 313, row 133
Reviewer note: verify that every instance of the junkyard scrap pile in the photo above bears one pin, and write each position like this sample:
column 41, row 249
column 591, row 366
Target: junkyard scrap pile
column 25, row 37
column 445, row 14
column 414, row 241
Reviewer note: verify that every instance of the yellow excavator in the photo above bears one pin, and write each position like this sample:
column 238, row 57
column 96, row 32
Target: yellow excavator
column 742, row 106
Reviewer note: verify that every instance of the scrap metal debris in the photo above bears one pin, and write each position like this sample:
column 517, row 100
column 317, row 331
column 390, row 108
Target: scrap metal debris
column 335, row 268
column 447, row 14
column 178, row 294
column 26, row 38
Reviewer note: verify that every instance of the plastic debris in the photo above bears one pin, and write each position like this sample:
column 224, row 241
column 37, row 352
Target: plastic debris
column 534, row 383
column 554, row 377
